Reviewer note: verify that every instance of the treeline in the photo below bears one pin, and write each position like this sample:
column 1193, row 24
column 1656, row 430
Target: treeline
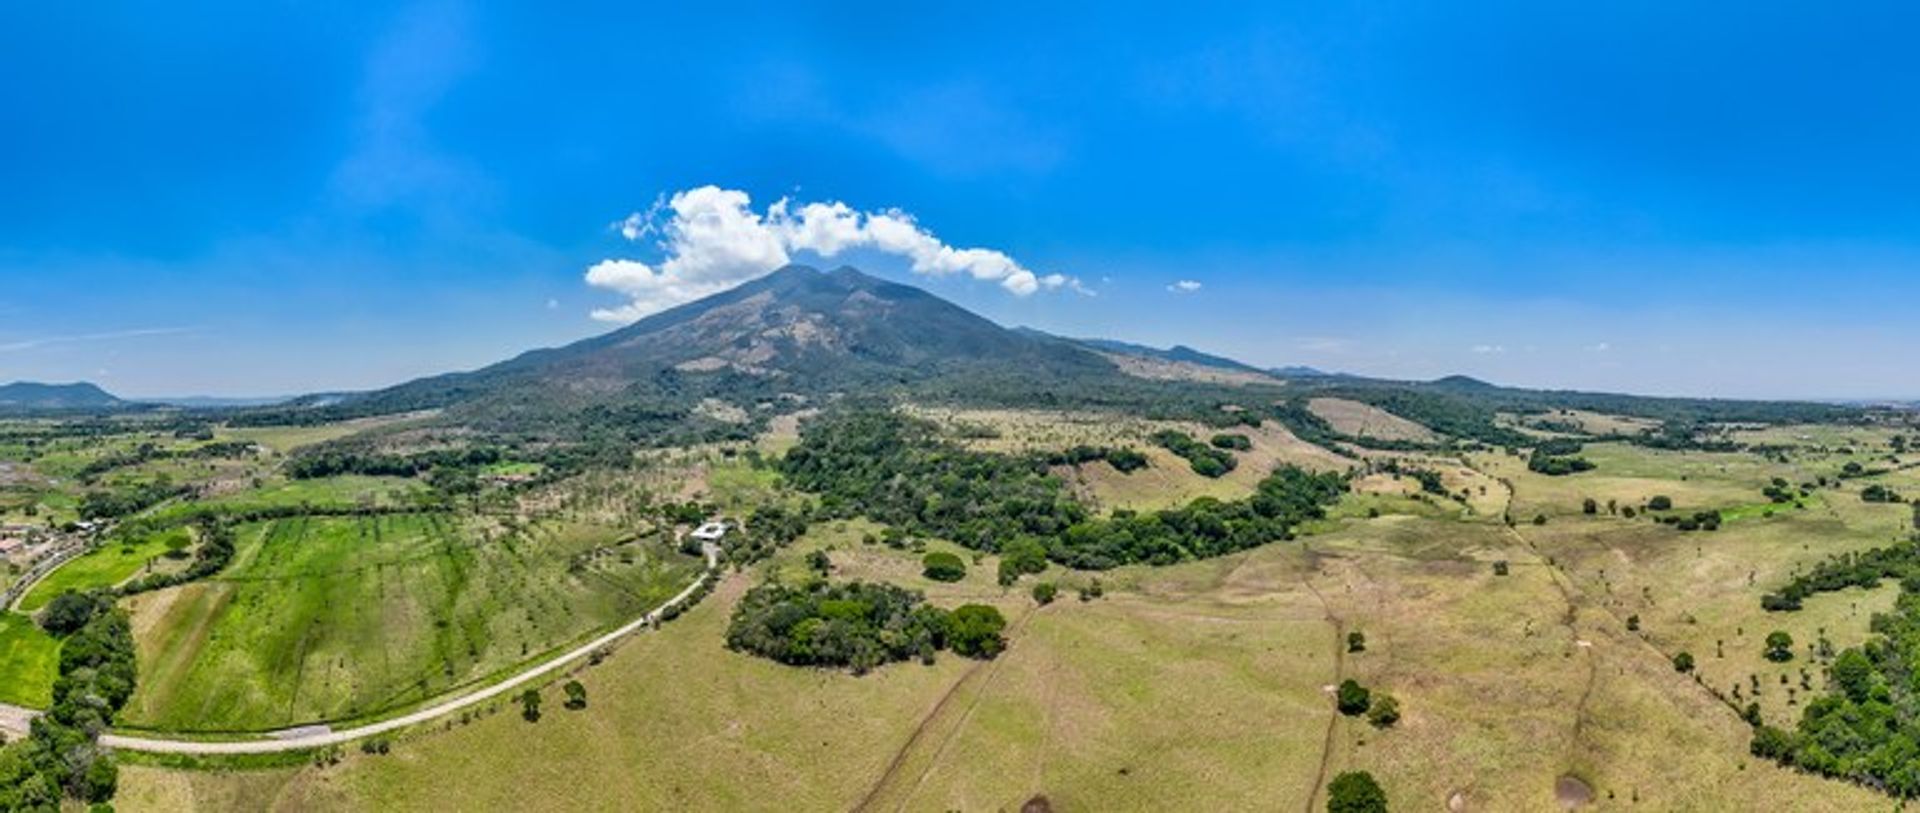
column 895, row 470
column 62, row 757
column 1206, row 460
column 858, row 626
column 147, row 452
column 215, row 551
column 1839, row 572
column 133, row 499
column 1863, row 729
column 1122, row 459
column 335, row 462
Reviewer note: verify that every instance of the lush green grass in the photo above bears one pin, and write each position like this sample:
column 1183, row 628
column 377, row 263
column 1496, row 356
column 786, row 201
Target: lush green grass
column 113, row 562
column 346, row 491
column 340, row 618
column 29, row 660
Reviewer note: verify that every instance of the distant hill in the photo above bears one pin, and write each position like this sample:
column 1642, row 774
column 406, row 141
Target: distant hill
column 1178, row 352
column 30, row 395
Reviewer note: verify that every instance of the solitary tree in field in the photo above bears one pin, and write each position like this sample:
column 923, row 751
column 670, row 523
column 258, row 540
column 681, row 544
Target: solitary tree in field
column 1384, row 712
column 1683, row 662
column 576, row 695
column 1589, row 506
column 1356, row 641
column 1353, row 698
column 1355, row 792
column 1779, row 646
column 1660, row 503
column 530, row 705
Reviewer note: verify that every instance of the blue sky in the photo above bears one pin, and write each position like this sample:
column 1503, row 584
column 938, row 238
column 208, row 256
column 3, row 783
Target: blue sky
column 287, row 197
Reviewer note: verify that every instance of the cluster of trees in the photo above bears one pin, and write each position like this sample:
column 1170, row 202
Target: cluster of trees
column 1122, row 459
column 215, row 551
column 1206, row 460
column 1429, row 480
column 857, row 625
column 61, row 757
column 1232, row 441
column 131, row 499
column 769, row 528
column 1698, row 521
column 1355, row 792
column 1557, row 458
column 334, row 462
column 893, row 469
column 1876, row 492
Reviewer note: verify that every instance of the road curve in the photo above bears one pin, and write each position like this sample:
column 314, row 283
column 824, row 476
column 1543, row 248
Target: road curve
column 321, row 738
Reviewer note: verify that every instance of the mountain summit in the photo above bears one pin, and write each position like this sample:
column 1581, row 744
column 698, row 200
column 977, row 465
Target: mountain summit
column 795, row 331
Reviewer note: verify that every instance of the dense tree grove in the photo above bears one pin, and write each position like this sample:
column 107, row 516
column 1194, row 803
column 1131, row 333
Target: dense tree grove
column 1867, row 726
column 1206, row 460
column 334, row 462
column 893, row 469
column 1232, row 441
column 61, row 757
column 857, row 625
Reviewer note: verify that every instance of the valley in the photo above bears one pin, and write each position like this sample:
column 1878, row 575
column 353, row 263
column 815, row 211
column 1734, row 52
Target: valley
column 1124, row 586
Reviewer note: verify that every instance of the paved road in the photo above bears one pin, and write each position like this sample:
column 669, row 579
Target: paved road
column 321, row 736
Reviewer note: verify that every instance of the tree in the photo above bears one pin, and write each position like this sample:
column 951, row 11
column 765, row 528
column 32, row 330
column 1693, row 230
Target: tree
column 576, row 695
column 530, row 705
column 1589, row 506
column 941, row 566
column 818, row 562
column 1633, row 623
column 1353, row 698
column 1356, row 641
column 1854, row 674
column 1355, row 792
column 68, row 612
column 1779, row 646
column 1384, row 712
column 1044, row 593
column 1683, row 662
column 1500, row 567
column 1539, row 519
column 1660, row 503
column 975, row 631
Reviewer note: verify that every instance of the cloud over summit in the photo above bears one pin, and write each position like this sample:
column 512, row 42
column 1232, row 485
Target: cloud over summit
column 713, row 239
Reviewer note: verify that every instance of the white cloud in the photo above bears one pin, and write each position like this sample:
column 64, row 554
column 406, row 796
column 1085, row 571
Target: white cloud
column 1185, row 286
column 713, row 239
column 1489, row 349
column 1601, row 347
column 43, row 341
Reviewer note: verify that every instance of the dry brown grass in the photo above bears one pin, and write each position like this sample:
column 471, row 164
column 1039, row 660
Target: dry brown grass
column 1365, row 420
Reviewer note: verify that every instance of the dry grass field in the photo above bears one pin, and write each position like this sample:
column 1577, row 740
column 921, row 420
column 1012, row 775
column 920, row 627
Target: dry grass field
column 1367, row 421
column 1196, row 686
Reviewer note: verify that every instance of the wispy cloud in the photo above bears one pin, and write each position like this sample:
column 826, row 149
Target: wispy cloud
column 1185, row 286
column 1489, row 349
column 44, row 341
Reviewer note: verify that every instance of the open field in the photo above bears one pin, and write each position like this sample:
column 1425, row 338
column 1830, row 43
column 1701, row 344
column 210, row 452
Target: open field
column 115, row 561
column 285, row 439
column 1367, row 421
column 28, row 658
column 338, row 618
column 1196, row 686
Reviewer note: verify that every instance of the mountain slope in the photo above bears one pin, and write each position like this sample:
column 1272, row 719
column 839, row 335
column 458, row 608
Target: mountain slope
column 31, row 395
column 795, row 332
